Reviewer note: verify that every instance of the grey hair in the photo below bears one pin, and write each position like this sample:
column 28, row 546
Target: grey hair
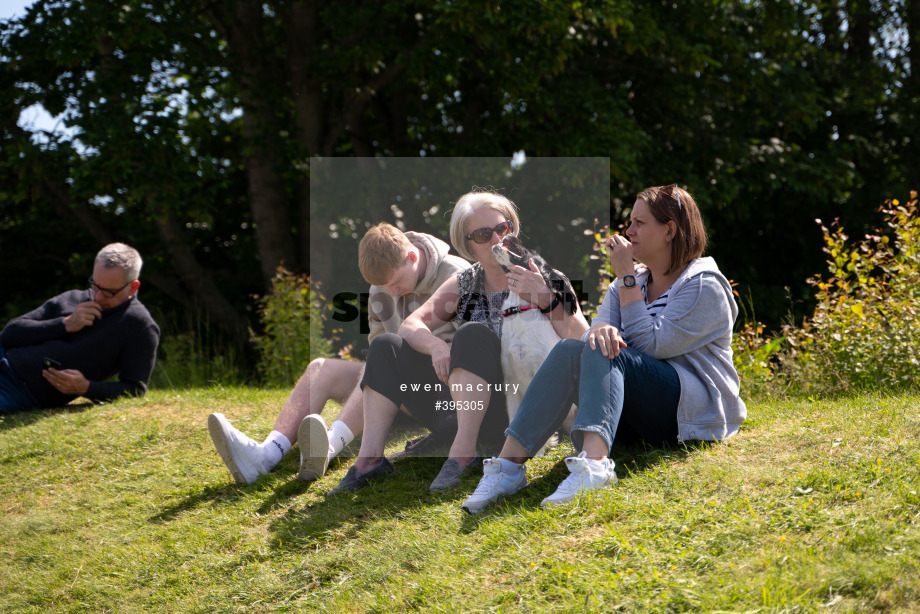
column 466, row 205
column 121, row 256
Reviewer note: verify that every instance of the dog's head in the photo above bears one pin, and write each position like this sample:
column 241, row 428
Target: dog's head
column 512, row 251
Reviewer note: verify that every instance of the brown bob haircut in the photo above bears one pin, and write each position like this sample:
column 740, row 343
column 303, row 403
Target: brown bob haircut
column 672, row 204
column 383, row 249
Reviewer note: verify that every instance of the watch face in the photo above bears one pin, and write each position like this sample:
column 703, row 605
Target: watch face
column 629, row 281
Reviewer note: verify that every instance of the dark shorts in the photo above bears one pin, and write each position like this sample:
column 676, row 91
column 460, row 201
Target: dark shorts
column 406, row 377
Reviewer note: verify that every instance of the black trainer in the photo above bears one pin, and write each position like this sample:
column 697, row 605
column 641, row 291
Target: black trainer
column 354, row 479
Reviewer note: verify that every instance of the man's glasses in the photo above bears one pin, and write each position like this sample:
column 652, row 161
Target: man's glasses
column 481, row 235
column 105, row 291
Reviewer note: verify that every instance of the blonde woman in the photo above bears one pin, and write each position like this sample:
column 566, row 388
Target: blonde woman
column 401, row 367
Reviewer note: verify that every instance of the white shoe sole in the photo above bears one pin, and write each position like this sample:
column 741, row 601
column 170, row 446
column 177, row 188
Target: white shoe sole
column 547, row 502
column 313, row 439
column 217, row 424
column 478, row 506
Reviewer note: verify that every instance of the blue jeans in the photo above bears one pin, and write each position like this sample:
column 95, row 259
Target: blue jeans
column 631, row 398
column 14, row 395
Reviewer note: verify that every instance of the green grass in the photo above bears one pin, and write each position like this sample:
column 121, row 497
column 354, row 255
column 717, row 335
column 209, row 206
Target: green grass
column 127, row 508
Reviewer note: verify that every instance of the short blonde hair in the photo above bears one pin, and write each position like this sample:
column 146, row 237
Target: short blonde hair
column 383, row 249
column 466, row 205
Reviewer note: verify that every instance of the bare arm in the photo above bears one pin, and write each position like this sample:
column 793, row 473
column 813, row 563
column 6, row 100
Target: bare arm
column 607, row 338
column 531, row 287
column 438, row 310
column 568, row 326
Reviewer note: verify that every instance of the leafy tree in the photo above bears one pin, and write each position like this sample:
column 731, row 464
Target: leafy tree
column 196, row 122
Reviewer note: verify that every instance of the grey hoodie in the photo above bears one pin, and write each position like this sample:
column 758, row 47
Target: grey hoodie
column 386, row 313
column 693, row 333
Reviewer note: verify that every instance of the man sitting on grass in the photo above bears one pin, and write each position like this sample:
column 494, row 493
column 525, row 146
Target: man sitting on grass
column 77, row 340
column 404, row 269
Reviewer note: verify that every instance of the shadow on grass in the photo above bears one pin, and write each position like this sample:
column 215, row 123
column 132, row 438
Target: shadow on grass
column 639, row 457
column 631, row 460
column 347, row 514
column 281, row 485
column 210, row 494
column 230, row 491
column 25, row 418
column 392, row 497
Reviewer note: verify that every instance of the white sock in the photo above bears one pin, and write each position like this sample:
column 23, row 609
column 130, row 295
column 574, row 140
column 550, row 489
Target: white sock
column 510, row 466
column 339, row 437
column 276, row 445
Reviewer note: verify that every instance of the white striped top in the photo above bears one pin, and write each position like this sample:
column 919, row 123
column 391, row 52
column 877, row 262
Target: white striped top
column 655, row 308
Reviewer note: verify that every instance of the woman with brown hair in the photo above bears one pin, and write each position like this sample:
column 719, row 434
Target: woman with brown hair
column 655, row 366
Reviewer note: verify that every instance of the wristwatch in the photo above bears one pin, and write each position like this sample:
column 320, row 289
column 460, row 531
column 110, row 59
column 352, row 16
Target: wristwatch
column 629, row 281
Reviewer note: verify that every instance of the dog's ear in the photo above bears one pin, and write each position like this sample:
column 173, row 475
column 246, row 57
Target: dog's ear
column 565, row 291
column 569, row 299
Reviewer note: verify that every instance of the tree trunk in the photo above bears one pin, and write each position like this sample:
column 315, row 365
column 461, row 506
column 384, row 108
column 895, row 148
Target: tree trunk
column 913, row 31
column 198, row 280
column 860, row 30
column 241, row 23
column 267, row 199
column 307, row 97
column 305, row 89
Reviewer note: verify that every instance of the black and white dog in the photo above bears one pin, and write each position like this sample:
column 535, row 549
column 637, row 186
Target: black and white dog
column 527, row 334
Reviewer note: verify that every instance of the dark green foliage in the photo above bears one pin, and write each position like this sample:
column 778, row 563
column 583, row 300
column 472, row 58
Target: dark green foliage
column 197, row 122
column 863, row 332
column 194, row 353
column 291, row 319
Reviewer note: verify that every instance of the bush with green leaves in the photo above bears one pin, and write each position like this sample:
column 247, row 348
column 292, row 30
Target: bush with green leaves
column 291, row 318
column 753, row 354
column 193, row 353
column 864, row 331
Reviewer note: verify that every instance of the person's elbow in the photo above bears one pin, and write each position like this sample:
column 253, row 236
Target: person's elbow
column 408, row 326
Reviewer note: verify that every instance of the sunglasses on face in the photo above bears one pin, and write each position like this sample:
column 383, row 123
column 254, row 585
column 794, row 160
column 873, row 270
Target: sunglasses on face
column 481, row 235
column 105, row 291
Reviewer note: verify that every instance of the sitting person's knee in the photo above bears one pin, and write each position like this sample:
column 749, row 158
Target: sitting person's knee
column 475, row 336
column 385, row 344
column 572, row 345
column 316, row 365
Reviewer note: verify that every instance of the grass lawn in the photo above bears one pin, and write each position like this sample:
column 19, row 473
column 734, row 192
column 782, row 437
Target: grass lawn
column 127, row 508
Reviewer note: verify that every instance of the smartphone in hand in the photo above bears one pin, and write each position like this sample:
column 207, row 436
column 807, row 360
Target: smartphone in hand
column 52, row 363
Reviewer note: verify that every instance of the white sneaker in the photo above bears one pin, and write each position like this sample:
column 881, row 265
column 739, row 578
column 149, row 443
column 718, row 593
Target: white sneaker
column 582, row 479
column 243, row 456
column 313, row 439
column 494, row 485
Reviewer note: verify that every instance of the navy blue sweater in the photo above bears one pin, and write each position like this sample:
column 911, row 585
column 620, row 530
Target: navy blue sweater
column 123, row 342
